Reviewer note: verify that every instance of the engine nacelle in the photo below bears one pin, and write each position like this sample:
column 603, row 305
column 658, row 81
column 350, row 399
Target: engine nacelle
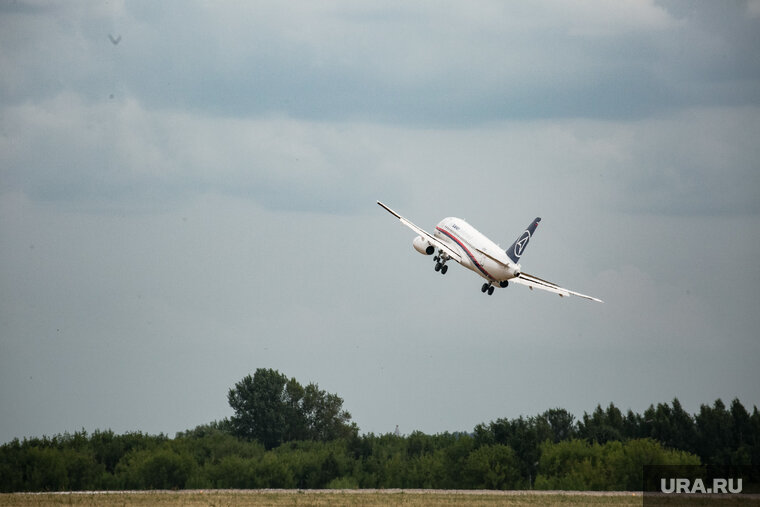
column 423, row 246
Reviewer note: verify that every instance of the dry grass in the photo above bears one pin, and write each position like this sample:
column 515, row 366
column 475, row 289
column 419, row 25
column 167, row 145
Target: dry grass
column 219, row 498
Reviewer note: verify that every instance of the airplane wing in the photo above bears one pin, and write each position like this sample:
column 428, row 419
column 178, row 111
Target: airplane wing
column 534, row 282
column 429, row 237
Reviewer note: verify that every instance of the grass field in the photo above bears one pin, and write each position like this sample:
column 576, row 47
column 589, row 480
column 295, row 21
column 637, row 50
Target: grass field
column 221, row 498
column 305, row 498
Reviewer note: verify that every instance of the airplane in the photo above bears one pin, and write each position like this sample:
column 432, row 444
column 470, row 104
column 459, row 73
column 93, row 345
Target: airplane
column 456, row 239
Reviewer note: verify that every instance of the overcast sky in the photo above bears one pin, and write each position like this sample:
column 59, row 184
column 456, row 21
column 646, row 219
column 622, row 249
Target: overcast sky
column 197, row 201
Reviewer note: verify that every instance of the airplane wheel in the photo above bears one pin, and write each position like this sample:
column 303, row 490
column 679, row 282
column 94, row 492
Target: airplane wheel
column 484, row 287
column 444, row 268
column 438, row 266
column 490, row 290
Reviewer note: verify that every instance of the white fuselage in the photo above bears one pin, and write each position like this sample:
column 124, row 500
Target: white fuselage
column 479, row 253
column 456, row 239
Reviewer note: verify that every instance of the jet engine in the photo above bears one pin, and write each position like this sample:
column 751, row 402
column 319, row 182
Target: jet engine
column 512, row 271
column 423, row 246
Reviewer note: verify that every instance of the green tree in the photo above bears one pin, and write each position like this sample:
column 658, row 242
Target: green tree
column 632, row 425
column 271, row 472
column 627, row 465
column 493, row 467
column 109, row 448
column 82, row 470
column 156, row 469
column 383, row 460
column 324, row 415
column 684, row 432
column 571, row 465
column 233, row 472
column 427, row 471
column 561, row 424
column 714, row 434
column 315, row 464
column 614, row 465
column 741, row 444
column 525, row 436
column 210, row 446
column 271, row 409
column 12, row 467
column 45, row 470
column 602, row 425
column 754, row 438
column 259, row 403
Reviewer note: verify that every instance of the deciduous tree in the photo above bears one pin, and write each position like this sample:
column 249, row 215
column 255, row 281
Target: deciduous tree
column 271, row 409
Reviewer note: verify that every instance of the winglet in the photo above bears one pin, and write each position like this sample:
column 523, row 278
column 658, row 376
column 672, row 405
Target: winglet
column 518, row 247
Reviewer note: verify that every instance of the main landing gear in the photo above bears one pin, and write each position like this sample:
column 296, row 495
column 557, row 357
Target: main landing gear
column 440, row 262
column 487, row 287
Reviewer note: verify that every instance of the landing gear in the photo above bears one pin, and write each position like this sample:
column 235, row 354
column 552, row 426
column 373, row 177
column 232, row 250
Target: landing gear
column 487, row 287
column 440, row 263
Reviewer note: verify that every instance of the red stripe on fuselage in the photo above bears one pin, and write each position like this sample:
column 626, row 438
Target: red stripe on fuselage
column 467, row 251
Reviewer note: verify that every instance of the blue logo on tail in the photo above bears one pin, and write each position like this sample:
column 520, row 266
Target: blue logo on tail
column 518, row 247
column 521, row 243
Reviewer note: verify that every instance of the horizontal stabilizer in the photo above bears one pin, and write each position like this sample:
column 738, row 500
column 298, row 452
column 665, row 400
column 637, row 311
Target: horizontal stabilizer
column 534, row 282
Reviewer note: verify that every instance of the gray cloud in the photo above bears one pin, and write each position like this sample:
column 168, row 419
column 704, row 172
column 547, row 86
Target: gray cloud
column 119, row 154
column 198, row 201
column 456, row 65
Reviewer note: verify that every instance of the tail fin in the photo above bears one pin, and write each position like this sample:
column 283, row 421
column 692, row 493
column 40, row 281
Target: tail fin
column 518, row 247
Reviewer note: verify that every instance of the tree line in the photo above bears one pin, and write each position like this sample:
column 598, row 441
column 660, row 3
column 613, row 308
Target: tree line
column 284, row 435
